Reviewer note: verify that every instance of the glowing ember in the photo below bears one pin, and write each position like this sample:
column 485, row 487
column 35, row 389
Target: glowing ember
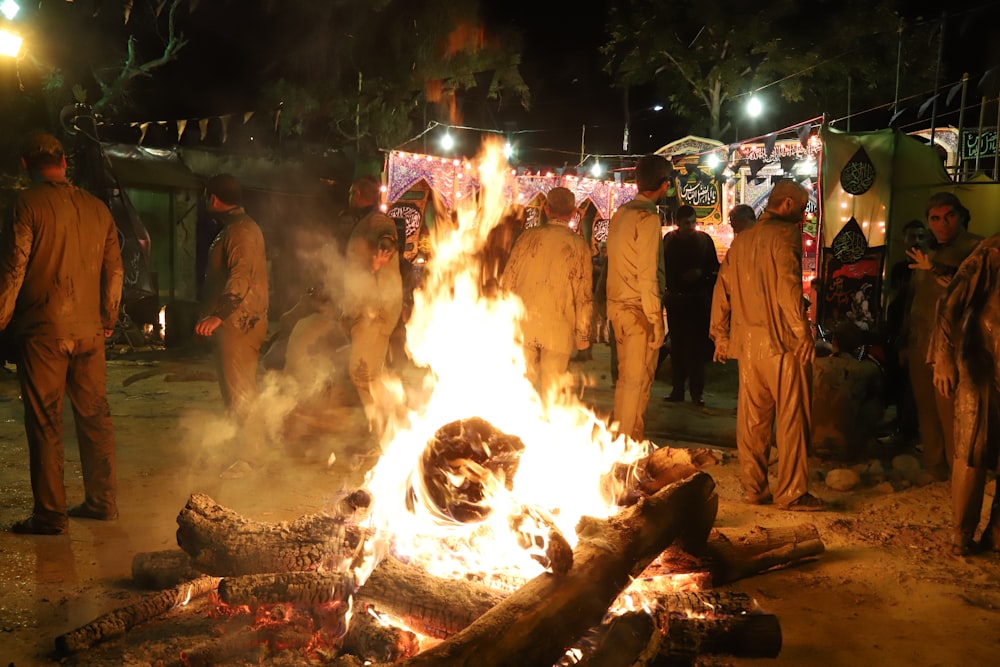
column 470, row 345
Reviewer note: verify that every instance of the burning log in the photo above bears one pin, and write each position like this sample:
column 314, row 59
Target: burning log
column 432, row 606
column 156, row 570
column 535, row 624
column 307, row 588
column 222, row 543
column 117, row 622
column 371, row 640
column 744, row 636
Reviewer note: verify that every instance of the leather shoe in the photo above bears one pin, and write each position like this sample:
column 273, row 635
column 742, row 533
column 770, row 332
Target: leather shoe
column 674, row 398
column 700, row 402
column 807, row 502
column 33, row 526
column 84, row 511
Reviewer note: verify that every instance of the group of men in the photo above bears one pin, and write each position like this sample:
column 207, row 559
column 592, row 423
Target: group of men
column 61, row 279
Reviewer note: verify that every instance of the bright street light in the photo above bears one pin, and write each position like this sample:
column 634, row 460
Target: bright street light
column 10, row 44
column 754, row 107
column 508, row 150
column 447, row 142
column 9, row 8
column 596, row 170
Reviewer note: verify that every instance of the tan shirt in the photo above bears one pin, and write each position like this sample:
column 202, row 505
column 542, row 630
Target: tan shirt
column 757, row 306
column 61, row 267
column 635, row 258
column 376, row 295
column 550, row 269
column 236, row 278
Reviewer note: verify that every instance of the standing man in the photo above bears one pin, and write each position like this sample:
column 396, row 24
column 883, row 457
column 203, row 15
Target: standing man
column 234, row 306
column 61, row 282
column 948, row 221
column 742, row 218
column 759, row 318
column 691, row 266
column 634, row 290
column 373, row 293
column 965, row 349
column 551, row 270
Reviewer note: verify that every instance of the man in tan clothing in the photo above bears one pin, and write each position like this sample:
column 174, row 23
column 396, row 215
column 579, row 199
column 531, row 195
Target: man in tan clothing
column 373, row 294
column 758, row 318
column 947, row 220
column 234, row 304
column 635, row 284
column 60, row 285
column 550, row 269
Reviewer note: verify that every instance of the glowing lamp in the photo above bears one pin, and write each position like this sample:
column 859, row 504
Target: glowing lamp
column 754, row 107
column 10, row 44
column 9, row 8
column 447, row 142
column 596, row 170
column 508, row 150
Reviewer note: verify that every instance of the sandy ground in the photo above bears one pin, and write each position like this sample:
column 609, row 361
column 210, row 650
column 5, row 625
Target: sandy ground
column 886, row 591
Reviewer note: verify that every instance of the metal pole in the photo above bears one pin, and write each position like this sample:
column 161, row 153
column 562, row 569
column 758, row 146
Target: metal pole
column 979, row 136
column 961, row 123
column 937, row 75
column 899, row 65
column 996, row 153
column 583, row 135
column 848, row 102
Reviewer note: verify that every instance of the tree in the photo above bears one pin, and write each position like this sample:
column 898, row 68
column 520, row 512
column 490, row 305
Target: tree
column 709, row 55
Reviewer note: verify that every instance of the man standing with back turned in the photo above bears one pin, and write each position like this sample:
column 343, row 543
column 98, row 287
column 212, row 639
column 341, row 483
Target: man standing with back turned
column 634, row 291
column 759, row 318
column 61, row 281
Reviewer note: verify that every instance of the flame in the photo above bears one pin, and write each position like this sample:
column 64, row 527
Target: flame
column 469, row 345
column 163, row 323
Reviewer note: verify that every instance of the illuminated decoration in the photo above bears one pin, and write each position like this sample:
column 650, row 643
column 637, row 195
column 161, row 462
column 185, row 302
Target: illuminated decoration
column 447, row 142
column 10, row 44
column 508, row 150
column 410, row 214
column 9, row 8
column 596, row 170
column 850, row 244
column 754, row 106
column 858, row 175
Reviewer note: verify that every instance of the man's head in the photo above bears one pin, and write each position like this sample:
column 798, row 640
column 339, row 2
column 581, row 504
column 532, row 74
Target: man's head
column 560, row 204
column 223, row 192
column 652, row 174
column 914, row 234
column 742, row 218
column 946, row 216
column 42, row 151
column 364, row 193
column 686, row 219
column 788, row 200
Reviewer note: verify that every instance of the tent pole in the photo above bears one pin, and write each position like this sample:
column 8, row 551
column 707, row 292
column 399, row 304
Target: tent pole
column 937, row 76
column 979, row 136
column 996, row 153
column 961, row 124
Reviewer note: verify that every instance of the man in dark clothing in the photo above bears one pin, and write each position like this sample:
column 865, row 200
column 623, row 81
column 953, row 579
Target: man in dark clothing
column 61, row 282
column 234, row 305
column 691, row 265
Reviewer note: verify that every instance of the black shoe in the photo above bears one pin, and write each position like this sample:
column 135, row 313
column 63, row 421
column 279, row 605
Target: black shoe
column 674, row 398
column 84, row 511
column 758, row 499
column 33, row 526
column 700, row 402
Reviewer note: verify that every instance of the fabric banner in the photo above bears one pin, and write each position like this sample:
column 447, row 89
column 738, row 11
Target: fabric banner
column 851, row 290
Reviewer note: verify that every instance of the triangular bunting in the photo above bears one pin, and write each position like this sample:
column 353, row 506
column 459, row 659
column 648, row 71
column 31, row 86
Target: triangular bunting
column 926, row 105
column 769, row 144
column 203, row 128
column 181, row 124
column 954, row 91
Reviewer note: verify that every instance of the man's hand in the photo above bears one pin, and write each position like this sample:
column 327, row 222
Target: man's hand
column 919, row 259
column 207, row 326
column 945, row 379
column 721, row 354
column 381, row 258
column 657, row 342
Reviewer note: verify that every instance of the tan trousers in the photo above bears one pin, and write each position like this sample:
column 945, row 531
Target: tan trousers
column 369, row 345
column 48, row 369
column 636, row 366
column 546, row 369
column 774, row 402
column 236, row 357
column 935, row 416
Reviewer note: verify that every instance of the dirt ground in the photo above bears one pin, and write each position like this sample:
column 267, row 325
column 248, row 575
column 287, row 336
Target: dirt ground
column 886, row 591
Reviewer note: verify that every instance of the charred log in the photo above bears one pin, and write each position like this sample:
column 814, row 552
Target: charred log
column 156, row 570
column 744, row 636
column 534, row 625
column 307, row 588
column 117, row 622
column 760, row 550
column 372, row 640
column 223, row 543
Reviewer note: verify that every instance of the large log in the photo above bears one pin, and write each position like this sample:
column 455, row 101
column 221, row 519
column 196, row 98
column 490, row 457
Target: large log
column 373, row 641
column 156, row 570
column 760, row 550
column 744, row 636
column 305, row 588
column 118, row 622
column 535, row 624
column 223, row 543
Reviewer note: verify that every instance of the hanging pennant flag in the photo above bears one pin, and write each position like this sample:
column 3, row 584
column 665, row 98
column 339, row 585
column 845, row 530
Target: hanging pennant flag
column 951, row 93
column 181, row 124
column 987, row 75
column 858, row 174
column 896, row 114
column 247, row 115
column 769, row 144
column 850, row 244
column 755, row 166
column 142, row 135
column 803, row 134
column 926, row 105
column 225, row 126
column 203, row 127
